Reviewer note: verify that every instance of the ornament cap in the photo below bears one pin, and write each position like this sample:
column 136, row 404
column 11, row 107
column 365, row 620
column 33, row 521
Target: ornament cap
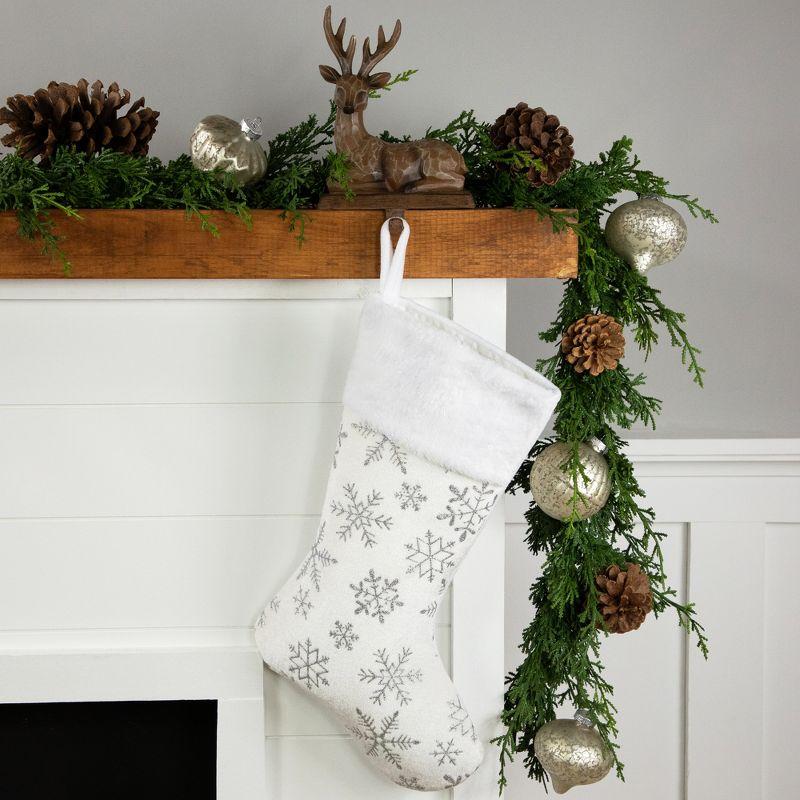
column 252, row 128
column 598, row 446
column 582, row 717
column 649, row 197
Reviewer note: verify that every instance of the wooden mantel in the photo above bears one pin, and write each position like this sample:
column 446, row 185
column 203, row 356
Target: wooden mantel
column 472, row 243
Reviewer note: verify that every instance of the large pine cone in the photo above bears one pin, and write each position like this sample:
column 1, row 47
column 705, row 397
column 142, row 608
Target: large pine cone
column 625, row 598
column 538, row 133
column 67, row 114
column 593, row 344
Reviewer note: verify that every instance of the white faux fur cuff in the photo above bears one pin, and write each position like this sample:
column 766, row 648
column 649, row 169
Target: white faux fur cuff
column 445, row 393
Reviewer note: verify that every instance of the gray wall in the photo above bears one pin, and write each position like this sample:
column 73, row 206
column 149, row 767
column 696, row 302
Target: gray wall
column 708, row 91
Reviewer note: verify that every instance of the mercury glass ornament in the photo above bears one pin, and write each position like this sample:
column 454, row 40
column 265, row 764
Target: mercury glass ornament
column 552, row 487
column 646, row 232
column 220, row 142
column 572, row 752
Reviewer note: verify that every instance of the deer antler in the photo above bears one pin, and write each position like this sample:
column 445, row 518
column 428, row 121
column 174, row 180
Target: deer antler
column 336, row 43
column 381, row 51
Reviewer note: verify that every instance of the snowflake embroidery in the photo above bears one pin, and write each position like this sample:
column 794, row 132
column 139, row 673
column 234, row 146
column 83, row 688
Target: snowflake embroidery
column 262, row 619
column 446, row 752
column 302, row 605
column 308, row 665
column 410, row 783
column 344, row 637
column 340, row 437
column 410, row 496
column 430, row 609
column 392, row 676
column 275, row 604
column 460, row 720
column 384, row 739
column 317, row 559
column 468, row 508
column 454, row 781
column 376, row 596
column 360, row 515
column 429, row 556
column 381, row 444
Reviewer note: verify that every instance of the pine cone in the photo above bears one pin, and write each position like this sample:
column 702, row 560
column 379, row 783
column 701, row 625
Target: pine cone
column 594, row 343
column 625, row 598
column 538, row 133
column 67, row 114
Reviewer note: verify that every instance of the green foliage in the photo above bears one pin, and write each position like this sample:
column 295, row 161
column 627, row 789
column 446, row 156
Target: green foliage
column 299, row 166
column 296, row 176
column 400, row 77
column 561, row 646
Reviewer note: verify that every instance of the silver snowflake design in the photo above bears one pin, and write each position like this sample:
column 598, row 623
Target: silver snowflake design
column 460, row 720
column 384, row 739
column 468, row 508
column 376, row 596
column 410, row 783
column 302, row 605
column 430, row 609
column 317, row 559
column 340, row 437
column 275, row 603
column 344, row 637
column 430, row 556
column 410, row 496
column 381, row 445
column 446, row 752
column 262, row 619
column 455, row 780
column 307, row 665
column 392, row 676
column 360, row 516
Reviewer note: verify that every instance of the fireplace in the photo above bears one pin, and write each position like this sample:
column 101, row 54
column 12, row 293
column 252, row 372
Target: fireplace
column 132, row 718
column 157, row 749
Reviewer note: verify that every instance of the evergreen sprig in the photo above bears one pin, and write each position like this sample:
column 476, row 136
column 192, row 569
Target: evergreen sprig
column 562, row 645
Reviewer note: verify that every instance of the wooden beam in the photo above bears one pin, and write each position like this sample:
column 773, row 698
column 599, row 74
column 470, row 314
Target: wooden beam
column 473, row 243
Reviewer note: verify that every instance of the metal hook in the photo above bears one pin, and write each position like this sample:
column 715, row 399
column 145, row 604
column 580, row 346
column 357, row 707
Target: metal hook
column 396, row 216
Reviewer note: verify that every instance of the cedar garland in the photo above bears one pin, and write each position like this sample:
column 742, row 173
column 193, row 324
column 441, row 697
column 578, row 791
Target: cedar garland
column 561, row 646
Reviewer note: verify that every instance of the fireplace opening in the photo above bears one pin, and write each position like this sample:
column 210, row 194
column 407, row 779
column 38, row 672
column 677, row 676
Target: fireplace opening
column 144, row 750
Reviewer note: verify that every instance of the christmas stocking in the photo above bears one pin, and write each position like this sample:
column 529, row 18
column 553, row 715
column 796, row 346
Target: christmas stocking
column 435, row 423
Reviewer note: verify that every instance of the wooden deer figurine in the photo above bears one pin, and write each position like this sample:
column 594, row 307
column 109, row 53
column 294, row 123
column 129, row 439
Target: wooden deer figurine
column 425, row 165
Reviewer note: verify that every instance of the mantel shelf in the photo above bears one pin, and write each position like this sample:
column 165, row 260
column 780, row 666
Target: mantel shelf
column 472, row 243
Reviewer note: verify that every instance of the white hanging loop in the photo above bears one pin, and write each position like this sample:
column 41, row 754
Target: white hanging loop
column 393, row 260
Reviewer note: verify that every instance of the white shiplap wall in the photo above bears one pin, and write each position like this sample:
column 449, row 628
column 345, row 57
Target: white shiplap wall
column 165, row 448
column 164, row 452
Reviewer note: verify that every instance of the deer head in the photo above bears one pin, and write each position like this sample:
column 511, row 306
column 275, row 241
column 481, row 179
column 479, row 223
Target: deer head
column 352, row 91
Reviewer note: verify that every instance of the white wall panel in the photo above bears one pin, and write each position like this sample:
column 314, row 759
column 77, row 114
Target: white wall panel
column 145, row 573
column 725, row 694
column 165, row 460
column 781, row 648
column 691, row 729
column 173, row 351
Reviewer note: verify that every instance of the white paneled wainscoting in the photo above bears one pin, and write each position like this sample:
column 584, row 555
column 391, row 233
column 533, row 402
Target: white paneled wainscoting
column 165, row 447
column 724, row 729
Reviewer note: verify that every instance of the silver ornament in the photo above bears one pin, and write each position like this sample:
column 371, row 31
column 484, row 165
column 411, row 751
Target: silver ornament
column 646, row 232
column 572, row 752
column 552, row 487
column 220, row 142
